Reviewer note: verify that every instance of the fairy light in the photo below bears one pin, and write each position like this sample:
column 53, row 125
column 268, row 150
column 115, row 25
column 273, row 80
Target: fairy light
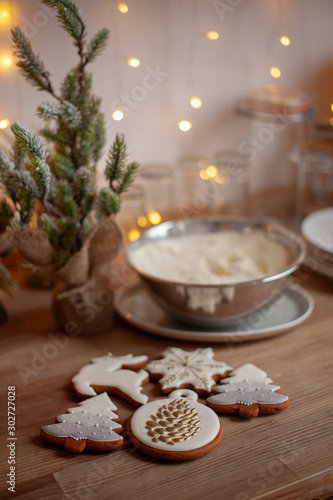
column 211, row 171
column 5, row 13
column 118, row 115
column 142, row 221
column 123, row 8
column 185, row 125
column 133, row 235
column 212, row 35
column 275, row 72
column 284, row 40
column 196, row 102
column 4, row 123
column 332, row 107
column 6, row 60
column 133, row 62
column 154, row 217
column 203, row 174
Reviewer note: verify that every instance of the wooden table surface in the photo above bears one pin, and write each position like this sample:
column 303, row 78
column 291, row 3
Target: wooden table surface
column 284, row 456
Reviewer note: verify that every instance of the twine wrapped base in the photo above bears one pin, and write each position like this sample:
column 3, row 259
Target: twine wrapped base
column 87, row 309
column 84, row 304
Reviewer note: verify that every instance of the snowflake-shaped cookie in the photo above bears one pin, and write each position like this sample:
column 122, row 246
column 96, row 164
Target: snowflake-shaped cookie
column 197, row 370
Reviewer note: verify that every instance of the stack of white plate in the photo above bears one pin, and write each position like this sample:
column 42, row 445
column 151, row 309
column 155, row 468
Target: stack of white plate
column 317, row 229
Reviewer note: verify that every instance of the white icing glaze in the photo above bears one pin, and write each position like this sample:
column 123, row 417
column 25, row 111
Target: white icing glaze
column 261, row 396
column 209, row 426
column 100, row 405
column 180, row 367
column 77, row 431
column 245, row 386
column 88, row 420
column 247, row 373
column 184, row 393
column 104, row 371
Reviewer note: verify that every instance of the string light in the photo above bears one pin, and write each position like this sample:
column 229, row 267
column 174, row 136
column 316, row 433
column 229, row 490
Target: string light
column 275, row 72
column 285, row 40
column 185, row 125
column 4, row 123
column 332, row 107
column 5, row 12
column 203, row 174
column 134, row 62
column 196, row 102
column 142, row 221
column 133, row 235
column 212, row 35
column 154, row 217
column 6, row 60
column 118, row 115
column 123, row 8
column 211, row 171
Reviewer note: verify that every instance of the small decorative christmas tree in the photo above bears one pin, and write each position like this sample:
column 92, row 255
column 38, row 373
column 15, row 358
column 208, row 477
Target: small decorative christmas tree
column 54, row 213
column 58, row 187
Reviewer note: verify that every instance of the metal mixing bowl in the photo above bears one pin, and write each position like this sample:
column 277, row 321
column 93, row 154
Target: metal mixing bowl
column 227, row 301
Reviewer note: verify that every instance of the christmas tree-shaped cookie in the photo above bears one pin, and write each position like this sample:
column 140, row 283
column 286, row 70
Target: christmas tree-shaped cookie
column 248, row 392
column 91, row 426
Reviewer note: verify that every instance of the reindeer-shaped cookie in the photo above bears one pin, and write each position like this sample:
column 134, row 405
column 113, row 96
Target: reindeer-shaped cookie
column 110, row 374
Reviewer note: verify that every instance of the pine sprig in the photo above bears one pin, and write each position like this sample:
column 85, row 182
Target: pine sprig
column 27, row 141
column 48, row 111
column 116, row 159
column 96, row 45
column 29, row 63
column 69, row 17
column 128, row 177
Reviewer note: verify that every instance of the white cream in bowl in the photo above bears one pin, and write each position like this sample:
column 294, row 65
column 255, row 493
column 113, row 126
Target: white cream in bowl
column 214, row 258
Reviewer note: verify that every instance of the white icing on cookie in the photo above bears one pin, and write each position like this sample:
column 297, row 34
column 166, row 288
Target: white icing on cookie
column 195, row 368
column 208, row 423
column 247, row 373
column 104, row 371
column 245, row 386
column 184, row 393
column 76, row 431
column 88, row 420
column 258, row 396
column 100, row 405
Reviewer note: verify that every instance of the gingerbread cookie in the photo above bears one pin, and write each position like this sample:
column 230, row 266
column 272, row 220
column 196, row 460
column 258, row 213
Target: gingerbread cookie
column 100, row 406
column 247, row 392
column 81, row 430
column 110, row 374
column 197, row 370
column 175, row 428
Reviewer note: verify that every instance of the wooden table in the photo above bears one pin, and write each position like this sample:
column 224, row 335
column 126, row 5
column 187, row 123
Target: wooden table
column 284, row 456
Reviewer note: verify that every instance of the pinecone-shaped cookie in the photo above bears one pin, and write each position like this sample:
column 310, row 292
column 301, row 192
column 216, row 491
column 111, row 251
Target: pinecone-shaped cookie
column 173, row 423
column 175, row 428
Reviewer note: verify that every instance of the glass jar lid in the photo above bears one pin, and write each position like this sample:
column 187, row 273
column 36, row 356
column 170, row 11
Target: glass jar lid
column 271, row 102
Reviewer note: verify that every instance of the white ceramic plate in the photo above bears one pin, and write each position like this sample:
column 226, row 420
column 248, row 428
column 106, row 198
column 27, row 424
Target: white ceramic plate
column 317, row 228
column 285, row 312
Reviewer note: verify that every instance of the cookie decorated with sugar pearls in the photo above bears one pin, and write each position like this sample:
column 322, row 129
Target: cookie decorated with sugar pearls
column 84, row 429
column 175, row 428
column 196, row 370
column 248, row 392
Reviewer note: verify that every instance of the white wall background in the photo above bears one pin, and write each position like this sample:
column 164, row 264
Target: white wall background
column 169, row 35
